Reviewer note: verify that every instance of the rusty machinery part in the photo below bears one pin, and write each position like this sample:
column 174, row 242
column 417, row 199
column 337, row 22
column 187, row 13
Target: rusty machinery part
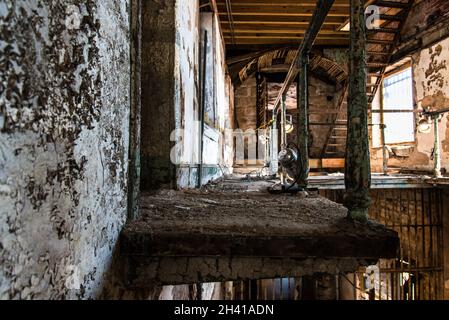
column 290, row 160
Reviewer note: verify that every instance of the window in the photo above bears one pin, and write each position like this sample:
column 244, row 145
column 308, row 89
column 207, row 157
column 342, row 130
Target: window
column 398, row 107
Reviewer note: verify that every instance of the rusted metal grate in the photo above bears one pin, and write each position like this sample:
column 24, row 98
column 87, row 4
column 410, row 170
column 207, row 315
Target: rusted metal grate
column 269, row 289
column 416, row 274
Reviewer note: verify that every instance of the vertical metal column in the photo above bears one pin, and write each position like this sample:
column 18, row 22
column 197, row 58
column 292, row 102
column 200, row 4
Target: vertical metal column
column 357, row 169
column 382, row 135
column 302, row 94
column 384, row 150
column 259, row 110
column 436, row 152
column 283, row 123
column 274, row 165
column 202, row 110
column 283, row 135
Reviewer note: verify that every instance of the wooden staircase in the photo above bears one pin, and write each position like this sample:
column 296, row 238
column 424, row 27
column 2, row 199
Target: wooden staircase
column 336, row 137
column 380, row 46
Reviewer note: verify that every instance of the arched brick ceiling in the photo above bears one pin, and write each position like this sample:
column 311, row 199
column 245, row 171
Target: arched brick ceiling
column 278, row 60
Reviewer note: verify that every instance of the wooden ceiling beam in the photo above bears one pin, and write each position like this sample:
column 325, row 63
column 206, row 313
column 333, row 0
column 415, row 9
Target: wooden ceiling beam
column 281, row 12
column 292, row 41
column 280, row 38
column 264, row 31
column 275, row 36
column 277, row 27
column 309, row 3
column 284, row 20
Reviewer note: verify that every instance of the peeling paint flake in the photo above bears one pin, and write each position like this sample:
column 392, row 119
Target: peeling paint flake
column 64, row 96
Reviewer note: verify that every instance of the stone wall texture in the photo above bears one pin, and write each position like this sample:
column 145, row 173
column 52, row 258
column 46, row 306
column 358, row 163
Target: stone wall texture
column 64, row 121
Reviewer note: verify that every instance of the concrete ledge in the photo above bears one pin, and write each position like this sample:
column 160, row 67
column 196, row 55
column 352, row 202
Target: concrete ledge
column 347, row 240
column 215, row 235
column 142, row 272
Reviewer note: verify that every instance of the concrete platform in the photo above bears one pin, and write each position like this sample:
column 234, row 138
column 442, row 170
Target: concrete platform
column 200, row 232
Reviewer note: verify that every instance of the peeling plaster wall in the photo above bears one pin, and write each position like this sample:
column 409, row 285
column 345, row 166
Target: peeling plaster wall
column 64, row 109
column 171, row 58
column 186, row 77
column 424, row 14
column 431, row 87
column 186, row 104
column 219, row 98
column 431, row 77
column 190, row 27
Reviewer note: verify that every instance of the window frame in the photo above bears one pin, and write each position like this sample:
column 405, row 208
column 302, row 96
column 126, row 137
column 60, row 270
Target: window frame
column 395, row 71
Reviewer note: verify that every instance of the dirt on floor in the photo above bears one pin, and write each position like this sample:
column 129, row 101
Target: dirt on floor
column 241, row 207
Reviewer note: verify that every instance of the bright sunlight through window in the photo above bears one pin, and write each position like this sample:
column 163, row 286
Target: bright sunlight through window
column 398, row 96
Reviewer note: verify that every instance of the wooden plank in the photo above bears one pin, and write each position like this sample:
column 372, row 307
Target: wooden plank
column 286, row 20
column 291, row 11
column 301, row 3
column 288, row 41
column 269, row 30
column 330, row 163
column 274, row 26
column 292, row 36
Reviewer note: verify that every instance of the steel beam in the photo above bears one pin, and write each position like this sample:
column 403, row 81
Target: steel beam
column 302, row 120
column 300, row 66
column 321, row 11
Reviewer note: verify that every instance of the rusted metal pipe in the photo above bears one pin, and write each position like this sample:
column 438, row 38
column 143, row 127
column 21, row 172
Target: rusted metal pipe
column 302, row 131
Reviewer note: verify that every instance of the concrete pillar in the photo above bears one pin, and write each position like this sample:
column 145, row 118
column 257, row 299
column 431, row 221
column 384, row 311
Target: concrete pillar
column 302, row 131
column 357, row 171
column 158, row 101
